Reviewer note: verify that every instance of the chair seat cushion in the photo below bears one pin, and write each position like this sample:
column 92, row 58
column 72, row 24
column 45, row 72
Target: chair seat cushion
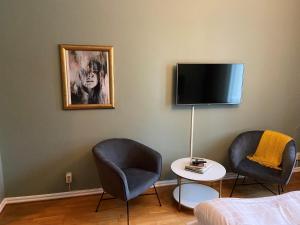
column 139, row 180
column 259, row 172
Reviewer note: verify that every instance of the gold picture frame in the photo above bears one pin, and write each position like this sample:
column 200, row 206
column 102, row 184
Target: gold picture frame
column 87, row 76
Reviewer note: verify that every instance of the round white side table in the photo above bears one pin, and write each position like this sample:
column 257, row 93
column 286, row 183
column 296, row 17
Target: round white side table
column 191, row 194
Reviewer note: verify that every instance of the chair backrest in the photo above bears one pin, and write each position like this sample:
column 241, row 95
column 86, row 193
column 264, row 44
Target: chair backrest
column 122, row 152
column 288, row 161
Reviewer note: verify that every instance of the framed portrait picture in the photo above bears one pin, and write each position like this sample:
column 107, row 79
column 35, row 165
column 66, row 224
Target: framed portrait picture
column 87, row 76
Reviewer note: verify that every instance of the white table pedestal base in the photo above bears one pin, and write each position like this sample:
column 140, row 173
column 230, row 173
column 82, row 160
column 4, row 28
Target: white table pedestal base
column 192, row 194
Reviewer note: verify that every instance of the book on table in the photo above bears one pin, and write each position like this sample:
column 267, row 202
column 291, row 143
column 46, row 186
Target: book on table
column 198, row 165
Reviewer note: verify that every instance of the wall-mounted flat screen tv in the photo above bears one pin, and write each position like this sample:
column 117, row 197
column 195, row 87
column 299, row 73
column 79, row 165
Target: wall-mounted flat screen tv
column 209, row 83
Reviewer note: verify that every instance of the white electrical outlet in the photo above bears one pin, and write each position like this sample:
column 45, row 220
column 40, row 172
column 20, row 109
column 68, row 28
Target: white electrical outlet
column 68, row 177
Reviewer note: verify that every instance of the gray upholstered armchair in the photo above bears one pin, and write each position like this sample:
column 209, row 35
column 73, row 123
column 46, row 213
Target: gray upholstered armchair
column 126, row 168
column 246, row 144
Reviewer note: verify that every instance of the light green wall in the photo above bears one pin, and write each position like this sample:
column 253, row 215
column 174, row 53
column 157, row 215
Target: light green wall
column 41, row 141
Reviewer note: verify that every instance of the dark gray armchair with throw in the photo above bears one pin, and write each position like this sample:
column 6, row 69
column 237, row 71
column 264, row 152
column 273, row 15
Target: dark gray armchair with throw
column 126, row 168
column 245, row 144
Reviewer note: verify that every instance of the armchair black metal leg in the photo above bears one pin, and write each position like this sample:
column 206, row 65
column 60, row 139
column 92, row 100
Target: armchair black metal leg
column 127, row 206
column 282, row 190
column 99, row 201
column 244, row 180
column 278, row 188
column 237, row 177
column 157, row 195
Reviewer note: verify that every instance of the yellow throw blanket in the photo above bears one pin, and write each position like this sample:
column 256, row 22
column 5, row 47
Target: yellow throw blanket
column 270, row 149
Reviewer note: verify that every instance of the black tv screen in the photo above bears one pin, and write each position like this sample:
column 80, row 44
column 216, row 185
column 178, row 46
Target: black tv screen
column 209, row 83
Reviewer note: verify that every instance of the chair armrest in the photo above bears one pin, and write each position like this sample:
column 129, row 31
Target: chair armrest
column 243, row 145
column 112, row 178
column 288, row 161
column 150, row 160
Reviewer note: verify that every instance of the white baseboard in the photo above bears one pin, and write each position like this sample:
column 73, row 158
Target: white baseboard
column 230, row 176
column 2, row 204
column 69, row 194
column 296, row 169
column 33, row 198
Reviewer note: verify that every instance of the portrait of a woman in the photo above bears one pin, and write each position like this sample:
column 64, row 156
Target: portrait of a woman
column 87, row 75
column 89, row 78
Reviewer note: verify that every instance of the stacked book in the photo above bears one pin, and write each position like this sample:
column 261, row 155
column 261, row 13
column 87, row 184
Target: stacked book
column 198, row 165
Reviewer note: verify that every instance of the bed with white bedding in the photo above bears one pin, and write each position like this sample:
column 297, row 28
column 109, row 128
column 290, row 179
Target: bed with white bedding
column 275, row 210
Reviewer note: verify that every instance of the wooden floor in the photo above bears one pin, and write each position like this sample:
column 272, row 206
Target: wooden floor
column 144, row 210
